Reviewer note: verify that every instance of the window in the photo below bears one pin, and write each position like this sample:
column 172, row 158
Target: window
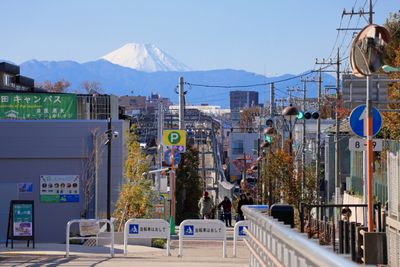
column 8, row 80
column 237, row 147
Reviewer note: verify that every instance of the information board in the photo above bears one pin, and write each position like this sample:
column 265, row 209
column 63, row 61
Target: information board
column 21, row 221
column 59, row 188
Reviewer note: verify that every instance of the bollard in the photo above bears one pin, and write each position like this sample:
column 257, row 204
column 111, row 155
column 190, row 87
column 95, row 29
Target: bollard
column 346, row 235
column 341, row 241
column 353, row 241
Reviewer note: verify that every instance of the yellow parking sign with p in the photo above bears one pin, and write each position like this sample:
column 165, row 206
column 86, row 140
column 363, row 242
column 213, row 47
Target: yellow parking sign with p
column 174, row 138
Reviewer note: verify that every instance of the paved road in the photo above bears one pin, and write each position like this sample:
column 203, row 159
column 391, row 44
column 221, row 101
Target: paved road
column 195, row 253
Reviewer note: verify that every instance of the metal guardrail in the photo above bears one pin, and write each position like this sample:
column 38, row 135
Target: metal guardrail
column 273, row 244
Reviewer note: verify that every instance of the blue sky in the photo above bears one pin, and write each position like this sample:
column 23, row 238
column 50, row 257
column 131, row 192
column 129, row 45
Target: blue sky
column 263, row 36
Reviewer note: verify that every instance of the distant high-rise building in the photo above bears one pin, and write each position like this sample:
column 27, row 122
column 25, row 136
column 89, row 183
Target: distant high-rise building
column 243, row 99
column 240, row 100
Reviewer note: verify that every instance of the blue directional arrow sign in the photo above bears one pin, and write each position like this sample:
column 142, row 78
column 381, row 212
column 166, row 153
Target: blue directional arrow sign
column 358, row 124
column 167, row 157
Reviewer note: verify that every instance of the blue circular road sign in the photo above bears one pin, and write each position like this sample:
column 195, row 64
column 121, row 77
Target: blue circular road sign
column 167, row 157
column 358, row 123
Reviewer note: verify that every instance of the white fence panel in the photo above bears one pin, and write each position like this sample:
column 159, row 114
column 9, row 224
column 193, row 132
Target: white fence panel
column 202, row 230
column 89, row 229
column 146, row 228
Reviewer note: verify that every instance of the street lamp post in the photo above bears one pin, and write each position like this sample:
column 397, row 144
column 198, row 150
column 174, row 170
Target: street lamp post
column 110, row 134
column 109, row 138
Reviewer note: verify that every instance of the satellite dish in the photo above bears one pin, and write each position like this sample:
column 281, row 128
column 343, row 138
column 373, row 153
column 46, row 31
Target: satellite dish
column 368, row 50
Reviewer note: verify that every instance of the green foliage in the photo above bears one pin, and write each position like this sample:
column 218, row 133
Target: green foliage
column 136, row 197
column 279, row 174
column 391, row 120
column 158, row 242
column 188, row 186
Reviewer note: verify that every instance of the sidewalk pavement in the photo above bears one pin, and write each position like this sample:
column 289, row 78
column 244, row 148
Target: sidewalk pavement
column 195, row 253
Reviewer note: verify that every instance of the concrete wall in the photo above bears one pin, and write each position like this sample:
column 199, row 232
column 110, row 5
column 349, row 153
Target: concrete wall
column 33, row 148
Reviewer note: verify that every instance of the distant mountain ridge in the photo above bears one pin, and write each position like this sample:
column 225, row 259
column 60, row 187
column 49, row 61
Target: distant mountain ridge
column 118, row 80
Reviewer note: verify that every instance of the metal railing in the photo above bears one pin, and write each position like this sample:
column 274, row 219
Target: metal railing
column 273, row 244
column 318, row 221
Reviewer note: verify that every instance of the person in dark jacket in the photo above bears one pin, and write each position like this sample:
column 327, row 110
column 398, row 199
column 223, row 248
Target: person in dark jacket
column 242, row 201
column 226, row 205
column 250, row 200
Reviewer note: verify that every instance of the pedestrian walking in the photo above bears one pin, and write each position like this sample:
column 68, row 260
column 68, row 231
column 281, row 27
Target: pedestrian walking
column 206, row 206
column 242, row 202
column 226, row 205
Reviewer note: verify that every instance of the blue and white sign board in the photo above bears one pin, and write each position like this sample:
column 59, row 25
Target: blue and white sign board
column 358, row 121
column 146, row 228
column 134, row 229
column 167, row 157
column 202, row 230
column 239, row 233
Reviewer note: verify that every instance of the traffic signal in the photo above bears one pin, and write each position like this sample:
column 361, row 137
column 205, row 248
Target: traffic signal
column 314, row 114
column 300, row 115
column 267, row 138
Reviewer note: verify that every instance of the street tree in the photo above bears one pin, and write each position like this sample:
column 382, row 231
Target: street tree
column 188, row 186
column 136, row 199
column 93, row 87
column 391, row 120
column 57, row 87
column 247, row 118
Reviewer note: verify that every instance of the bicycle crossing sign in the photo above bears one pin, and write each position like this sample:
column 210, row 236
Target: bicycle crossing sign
column 241, row 230
column 175, row 138
column 134, row 229
column 188, row 230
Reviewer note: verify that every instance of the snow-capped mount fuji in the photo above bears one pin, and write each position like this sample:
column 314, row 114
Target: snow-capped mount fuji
column 144, row 57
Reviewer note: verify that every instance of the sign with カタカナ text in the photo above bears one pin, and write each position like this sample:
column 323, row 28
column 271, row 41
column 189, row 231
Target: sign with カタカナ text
column 21, row 221
column 59, row 188
column 175, row 138
column 27, row 106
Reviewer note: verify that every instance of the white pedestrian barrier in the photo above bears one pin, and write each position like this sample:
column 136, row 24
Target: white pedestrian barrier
column 239, row 233
column 202, row 230
column 146, row 228
column 89, row 229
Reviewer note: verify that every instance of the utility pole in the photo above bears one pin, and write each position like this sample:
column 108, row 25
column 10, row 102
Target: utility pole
column 290, row 91
column 272, row 100
column 337, row 123
column 337, row 147
column 181, row 104
column 317, row 167
column 303, row 151
column 203, row 158
column 160, row 129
